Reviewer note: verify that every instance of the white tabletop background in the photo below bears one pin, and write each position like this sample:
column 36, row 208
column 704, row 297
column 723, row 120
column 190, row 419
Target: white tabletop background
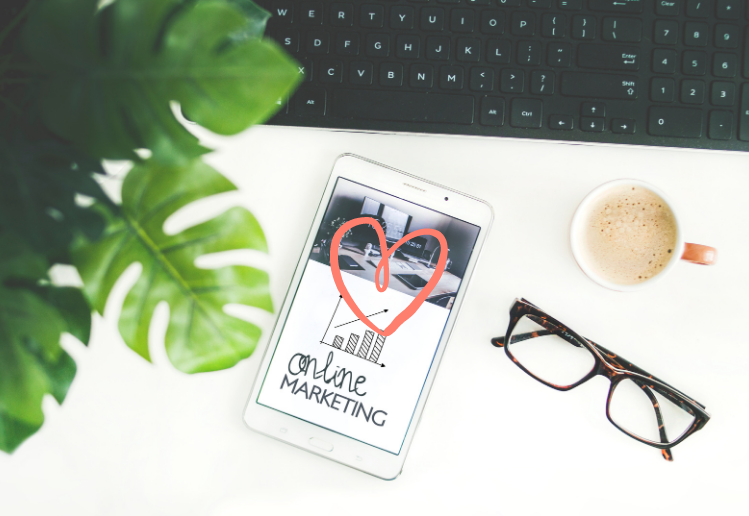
column 135, row 438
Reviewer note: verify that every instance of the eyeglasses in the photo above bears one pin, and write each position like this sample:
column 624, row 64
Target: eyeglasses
column 639, row 404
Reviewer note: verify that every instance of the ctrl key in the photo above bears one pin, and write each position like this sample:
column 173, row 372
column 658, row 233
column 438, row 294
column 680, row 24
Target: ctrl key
column 526, row 113
column 310, row 102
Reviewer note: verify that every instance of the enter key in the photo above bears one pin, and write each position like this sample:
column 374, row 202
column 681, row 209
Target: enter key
column 608, row 57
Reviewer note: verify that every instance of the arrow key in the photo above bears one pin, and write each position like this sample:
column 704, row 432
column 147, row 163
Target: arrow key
column 623, row 126
column 591, row 124
column 482, row 79
column 595, row 109
column 561, row 122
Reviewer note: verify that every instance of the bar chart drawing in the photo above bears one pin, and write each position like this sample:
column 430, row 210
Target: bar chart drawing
column 370, row 346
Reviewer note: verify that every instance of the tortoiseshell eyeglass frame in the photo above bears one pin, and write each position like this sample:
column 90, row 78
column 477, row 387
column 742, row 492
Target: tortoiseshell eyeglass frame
column 610, row 365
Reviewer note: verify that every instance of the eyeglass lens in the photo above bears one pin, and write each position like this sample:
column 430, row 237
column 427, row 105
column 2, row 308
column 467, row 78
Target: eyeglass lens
column 635, row 407
column 548, row 356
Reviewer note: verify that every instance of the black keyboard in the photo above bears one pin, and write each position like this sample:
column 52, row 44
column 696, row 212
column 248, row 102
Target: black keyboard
column 671, row 73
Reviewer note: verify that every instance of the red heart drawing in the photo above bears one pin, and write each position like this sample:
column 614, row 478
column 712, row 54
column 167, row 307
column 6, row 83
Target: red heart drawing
column 385, row 265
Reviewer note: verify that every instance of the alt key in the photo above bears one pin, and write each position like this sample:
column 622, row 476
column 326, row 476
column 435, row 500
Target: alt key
column 623, row 126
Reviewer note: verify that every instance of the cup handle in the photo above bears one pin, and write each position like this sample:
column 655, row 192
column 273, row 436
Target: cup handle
column 700, row 254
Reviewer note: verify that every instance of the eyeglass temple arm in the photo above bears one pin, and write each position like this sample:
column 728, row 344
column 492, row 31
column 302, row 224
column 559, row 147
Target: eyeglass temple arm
column 666, row 452
column 618, row 360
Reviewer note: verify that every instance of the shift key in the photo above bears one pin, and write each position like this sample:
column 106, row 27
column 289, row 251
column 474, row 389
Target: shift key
column 599, row 85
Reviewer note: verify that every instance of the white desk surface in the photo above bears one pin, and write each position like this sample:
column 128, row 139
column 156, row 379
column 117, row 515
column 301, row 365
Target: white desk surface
column 141, row 439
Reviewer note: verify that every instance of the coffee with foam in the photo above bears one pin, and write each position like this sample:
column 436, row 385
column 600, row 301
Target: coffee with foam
column 629, row 234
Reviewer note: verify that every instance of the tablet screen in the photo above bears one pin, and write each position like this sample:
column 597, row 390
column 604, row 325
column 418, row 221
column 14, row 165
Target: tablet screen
column 329, row 368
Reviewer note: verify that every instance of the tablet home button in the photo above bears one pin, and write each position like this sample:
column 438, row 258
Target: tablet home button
column 319, row 443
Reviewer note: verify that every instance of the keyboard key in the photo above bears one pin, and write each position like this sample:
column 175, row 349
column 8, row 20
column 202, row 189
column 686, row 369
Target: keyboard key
column 283, row 11
column 438, row 48
column 372, row 16
column 695, row 34
column 529, row 53
column 559, row 54
column 725, row 65
column 526, row 113
column 512, row 81
column 342, row 15
column 694, row 63
column 401, row 106
column 542, row 82
column 666, row 32
column 478, row 2
column 675, row 122
column 664, row 60
column 667, row 7
column 361, row 73
column 728, row 10
column 317, row 42
column 407, row 46
column 493, row 22
column 561, row 122
column 432, row 19
column 698, row 8
column 498, row 51
column 570, row 5
column 720, row 125
column 539, row 4
column 347, row 44
column 583, row 27
column 289, row 40
column 391, row 74
column 722, row 94
column 402, row 17
column 602, row 86
column 597, row 109
column 626, row 30
column 310, row 102
column 592, row 125
column 617, row 6
column 523, row 24
column 468, row 49
column 422, row 76
column 623, row 125
column 746, row 53
column 311, row 13
column 492, row 111
column 482, row 79
column 744, row 114
column 378, row 45
column 692, row 92
column 726, row 36
column 451, row 77
column 304, row 67
column 331, row 71
column 554, row 26
column 662, row 89
column 508, row 3
column 608, row 57
column 462, row 20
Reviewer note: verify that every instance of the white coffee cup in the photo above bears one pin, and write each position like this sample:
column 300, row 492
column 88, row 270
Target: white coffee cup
column 695, row 253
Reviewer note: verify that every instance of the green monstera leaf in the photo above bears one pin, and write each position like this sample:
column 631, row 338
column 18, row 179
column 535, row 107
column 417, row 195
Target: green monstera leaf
column 40, row 179
column 32, row 318
column 110, row 74
column 200, row 335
